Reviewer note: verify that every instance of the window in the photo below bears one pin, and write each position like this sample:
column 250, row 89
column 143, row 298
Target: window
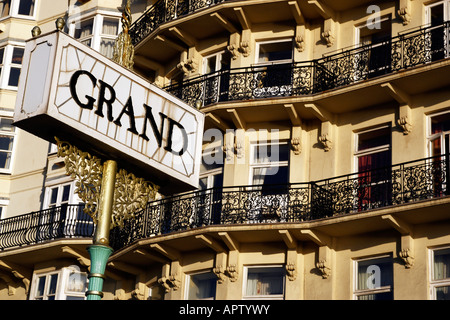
column 274, row 61
column 436, row 14
column 373, row 161
column 7, row 135
column 210, row 185
column 98, row 32
column 16, row 65
column 110, row 30
column 11, row 57
column 202, row 286
column 265, row 282
column 17, row 8
column 439, row 133
column 85, row 32
column 440, row 274
column 280, row 51
column 374, row 279
column 269, row 164
column 379, row 55
column 438, row 146
column 217, row 81
column 66, row 284
column 59, row 195
column 46, row 287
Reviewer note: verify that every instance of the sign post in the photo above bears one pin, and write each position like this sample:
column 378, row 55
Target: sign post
column 69, row 91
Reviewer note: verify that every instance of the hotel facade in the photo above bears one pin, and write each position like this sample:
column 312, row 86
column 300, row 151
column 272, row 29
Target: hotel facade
column 325, row 154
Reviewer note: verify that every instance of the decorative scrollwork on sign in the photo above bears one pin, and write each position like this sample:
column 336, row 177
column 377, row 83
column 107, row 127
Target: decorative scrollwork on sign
column 131, row 194
column 86, row 170
column 124, row 49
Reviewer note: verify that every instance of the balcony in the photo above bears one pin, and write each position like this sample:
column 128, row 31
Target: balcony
column 64, row 222
column 164, row 11
column 349, row 195
column 357, row 65
column 354, row 194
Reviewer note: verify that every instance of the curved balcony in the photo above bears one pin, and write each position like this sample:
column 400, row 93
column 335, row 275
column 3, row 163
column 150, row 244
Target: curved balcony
column 348, row 67
column 164, row 11
column 355, row 194
column 64, row 222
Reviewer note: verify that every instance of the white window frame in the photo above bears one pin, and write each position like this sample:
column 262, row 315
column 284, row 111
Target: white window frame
column 427, row 8
column 14, row 11
column 431, row 136
column 268, row 164
column 60, row 184
column 383, row 289
column 7, row 64
column 62, row 291
column 218, row 65
column 262, row 297
column 188, row 281
column 358, row 153
column 9, row 115
column 3, row 206
column 258, row 46
column 97, row 27
column 436, row 283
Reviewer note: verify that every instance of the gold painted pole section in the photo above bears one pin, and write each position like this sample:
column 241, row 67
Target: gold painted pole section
column 106, row 203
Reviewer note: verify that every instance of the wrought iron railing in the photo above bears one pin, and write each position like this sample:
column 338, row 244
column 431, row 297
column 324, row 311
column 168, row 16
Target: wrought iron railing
column 354, row 193
column 67, row 221
column 289, row 203
column 408, row 50
column 164, row 11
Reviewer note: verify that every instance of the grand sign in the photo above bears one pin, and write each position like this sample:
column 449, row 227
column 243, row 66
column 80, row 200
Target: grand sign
column 70, row 91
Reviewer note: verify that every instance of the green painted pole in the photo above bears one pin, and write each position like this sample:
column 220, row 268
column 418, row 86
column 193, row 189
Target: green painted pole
column 100, row 250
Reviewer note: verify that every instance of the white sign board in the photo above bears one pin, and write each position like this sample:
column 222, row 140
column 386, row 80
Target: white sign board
column 72, row 92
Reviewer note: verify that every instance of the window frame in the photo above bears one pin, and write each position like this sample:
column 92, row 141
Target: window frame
column 383, row 289
column 7, row 64
column 13, row 134
column 188, row 281
column 433, row 284
column 269, row 164
column 61, row 292
column 60, row 184
column 433, row 136
column 281, row 61
column 14, row 11
column 98, row 18
column 262, row 297
column 382, row 148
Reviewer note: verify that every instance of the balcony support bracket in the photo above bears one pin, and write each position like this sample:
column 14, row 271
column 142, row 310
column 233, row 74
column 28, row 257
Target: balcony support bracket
column 233, row 256
column 404, row 100
column 406, row 252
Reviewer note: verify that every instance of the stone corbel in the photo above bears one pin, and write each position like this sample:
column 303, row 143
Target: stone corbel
column 245, row 46
column 329, row 24
column 232, row 269
column 405, row 11
column 220, row 267
column 23, row 275
column 190, row 62
column 234, row 45
column 240, row 144
column 326, row 132
column 325, row 137
column 228, row 145
column 291, row 254
column 139, row 292
column 406, row 252
column 329, row 37
column 325, row 254
column 405, row 119
column 404, row 100
column 300, row 28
